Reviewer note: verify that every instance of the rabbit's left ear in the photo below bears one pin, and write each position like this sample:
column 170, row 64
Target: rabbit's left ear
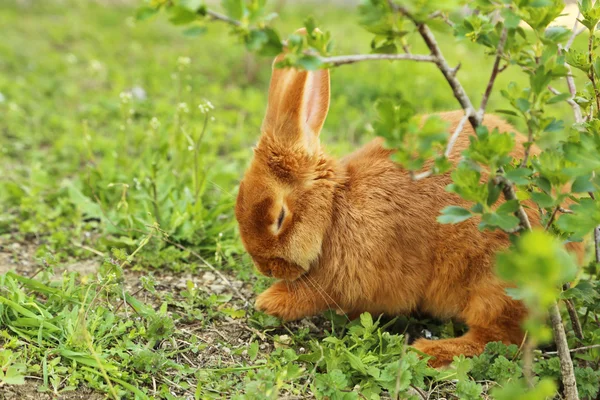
column 298, row 104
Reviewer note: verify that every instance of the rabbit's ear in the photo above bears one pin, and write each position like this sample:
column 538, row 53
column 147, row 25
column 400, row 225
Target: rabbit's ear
column 298, row 105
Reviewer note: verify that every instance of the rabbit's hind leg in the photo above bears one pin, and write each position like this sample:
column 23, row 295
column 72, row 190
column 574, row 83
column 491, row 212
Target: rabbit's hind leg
column 491, row 315
column 442, row 351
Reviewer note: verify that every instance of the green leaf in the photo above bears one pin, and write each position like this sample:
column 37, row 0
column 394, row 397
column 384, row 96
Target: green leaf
column 509, row 206
column 558, row 98
column 454, row 215
column 356, row 362
column 582, row 184
column 538, row 263
column 233, row 8
column 507, row 222
column 272, row 46
column 309, row 62
column 253, row 350
column 14, row 375
column 585, row 217
column 523, row 105
column 542, row 199
column 192, row 5
column 367, row 321
column 143, row 13
column 468, row 390
column 511, row 20
column 181, row 16
column 519, row 175
column 195, row 31
column 585, row 291
column 578, row 60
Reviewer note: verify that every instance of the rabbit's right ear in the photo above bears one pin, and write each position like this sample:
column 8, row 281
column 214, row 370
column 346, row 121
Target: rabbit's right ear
column 298, row 105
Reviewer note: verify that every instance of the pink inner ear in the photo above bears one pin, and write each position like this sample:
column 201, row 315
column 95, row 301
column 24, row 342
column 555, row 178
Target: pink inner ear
column 312, row 88
column 316, row 99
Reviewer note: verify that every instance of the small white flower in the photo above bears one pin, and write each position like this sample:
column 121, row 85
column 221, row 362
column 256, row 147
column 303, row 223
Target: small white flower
column 206, row 107
column 71, row 58
column 125, row 97
column 96, row 66
column 183, row 63
column 138, row 93
column 183, row 107
column 154, row 123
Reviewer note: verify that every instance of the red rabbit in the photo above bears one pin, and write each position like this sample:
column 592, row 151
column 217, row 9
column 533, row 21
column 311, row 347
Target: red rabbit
column 358, row 234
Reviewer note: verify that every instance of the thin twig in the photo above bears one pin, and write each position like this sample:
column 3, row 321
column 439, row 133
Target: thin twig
column 574, row 320
column 509, row 194
column 528, row 146
column 444, row 17
column 528, row 346
column 552, row 216
column 351, row 59
column 597, row 243
column 576, row 350
column 220, row 17
column 574, row 106
column 575, row 32
column 570, row 79
column 448, row 72
column 495, row 71
column 449, row 147
column 564, row 356
column 592, row 74
column 475, row 118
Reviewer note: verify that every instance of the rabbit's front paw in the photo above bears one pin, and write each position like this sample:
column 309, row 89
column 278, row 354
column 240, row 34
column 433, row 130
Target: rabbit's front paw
column 280, row 302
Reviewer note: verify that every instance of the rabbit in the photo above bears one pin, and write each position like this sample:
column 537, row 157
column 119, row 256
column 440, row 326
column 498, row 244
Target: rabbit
column 360, row 235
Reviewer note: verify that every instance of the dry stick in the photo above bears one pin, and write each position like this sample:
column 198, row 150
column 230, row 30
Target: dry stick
column 527, row 147
column 591, row 74
column 220, row 17
column 566, row 368
column 495, row 70
column 351, row 59
column 577, row 329
column 570, row 79
column 449, row 147
column 574, row 106
column 576, row 350
column 552, row 216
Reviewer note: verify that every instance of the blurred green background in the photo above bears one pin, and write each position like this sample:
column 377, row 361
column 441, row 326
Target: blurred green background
column 93, row 100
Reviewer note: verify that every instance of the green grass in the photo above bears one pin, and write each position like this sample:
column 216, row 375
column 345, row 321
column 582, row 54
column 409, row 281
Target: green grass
column 104, row 159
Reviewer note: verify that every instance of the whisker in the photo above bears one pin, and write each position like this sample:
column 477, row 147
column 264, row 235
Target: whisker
column 322, row 291
column 305, row 291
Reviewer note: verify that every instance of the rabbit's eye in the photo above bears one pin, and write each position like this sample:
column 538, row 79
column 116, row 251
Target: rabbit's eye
column 280, row 218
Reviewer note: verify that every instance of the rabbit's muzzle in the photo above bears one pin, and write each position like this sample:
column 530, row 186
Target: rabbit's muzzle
column 278, row 268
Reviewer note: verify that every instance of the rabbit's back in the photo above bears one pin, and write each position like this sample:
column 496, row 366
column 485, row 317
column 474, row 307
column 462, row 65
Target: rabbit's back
column 385, row 251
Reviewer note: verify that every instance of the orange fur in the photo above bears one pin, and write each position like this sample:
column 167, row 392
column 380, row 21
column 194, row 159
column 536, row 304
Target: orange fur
column 360, row 235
